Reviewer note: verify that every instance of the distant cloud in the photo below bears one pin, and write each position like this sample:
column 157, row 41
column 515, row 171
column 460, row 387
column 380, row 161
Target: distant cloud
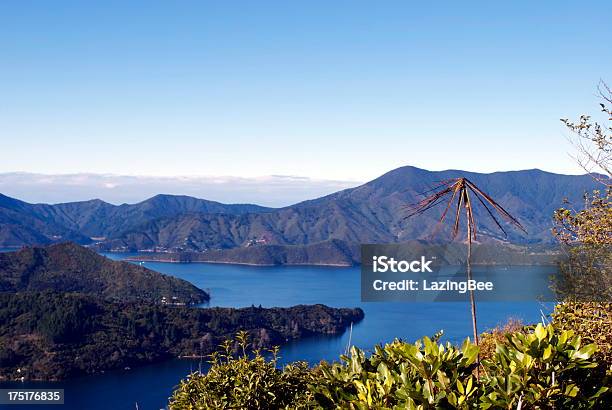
column 274, row 190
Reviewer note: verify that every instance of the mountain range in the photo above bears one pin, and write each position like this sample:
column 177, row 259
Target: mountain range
column 22, row 223
column 375, row 212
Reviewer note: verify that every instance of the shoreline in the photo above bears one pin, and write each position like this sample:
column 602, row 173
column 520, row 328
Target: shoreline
column 334, row 265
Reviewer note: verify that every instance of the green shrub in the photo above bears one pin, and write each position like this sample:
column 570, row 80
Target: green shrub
column 544, row 369
column 591, row 321
column 243, row 382
column 541, row 368
column 400, row 375
column 490, row 339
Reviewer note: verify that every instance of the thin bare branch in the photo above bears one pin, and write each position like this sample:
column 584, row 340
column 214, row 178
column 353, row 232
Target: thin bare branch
column 457, row 192
column 458, row 214
column 505, row 214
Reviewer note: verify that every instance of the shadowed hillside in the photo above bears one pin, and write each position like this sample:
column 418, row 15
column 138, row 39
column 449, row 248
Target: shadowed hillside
column 67, row 267
column 22, row 223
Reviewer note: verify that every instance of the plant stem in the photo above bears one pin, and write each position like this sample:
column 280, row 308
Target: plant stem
column 472, row 301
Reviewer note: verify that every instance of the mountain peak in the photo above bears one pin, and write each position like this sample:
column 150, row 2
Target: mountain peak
column 8, row 202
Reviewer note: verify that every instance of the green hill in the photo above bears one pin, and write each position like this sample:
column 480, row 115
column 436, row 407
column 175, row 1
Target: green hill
column 67, row 267
column 52, row 336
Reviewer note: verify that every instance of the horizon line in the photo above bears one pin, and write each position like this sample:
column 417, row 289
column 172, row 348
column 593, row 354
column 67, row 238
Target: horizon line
column 283, row 176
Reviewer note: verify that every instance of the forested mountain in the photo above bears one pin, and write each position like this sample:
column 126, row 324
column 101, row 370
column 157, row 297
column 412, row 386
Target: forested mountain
column 67, row 267
column 22, row 223
column 374, row 212
column 52, row 336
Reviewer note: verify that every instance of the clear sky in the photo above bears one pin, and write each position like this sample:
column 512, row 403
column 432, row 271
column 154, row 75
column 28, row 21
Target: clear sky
column 342, row 90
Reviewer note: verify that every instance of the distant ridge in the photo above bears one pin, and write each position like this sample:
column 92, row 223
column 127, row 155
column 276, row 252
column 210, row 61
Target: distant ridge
column 371, row 213
column 22, row 223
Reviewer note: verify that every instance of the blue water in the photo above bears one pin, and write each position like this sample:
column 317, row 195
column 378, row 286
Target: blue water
column 240, row 286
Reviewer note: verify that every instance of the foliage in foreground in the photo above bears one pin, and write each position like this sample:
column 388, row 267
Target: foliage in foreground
column 543, row 368
column 593, row 322
column 490, row 339
column 243, row 382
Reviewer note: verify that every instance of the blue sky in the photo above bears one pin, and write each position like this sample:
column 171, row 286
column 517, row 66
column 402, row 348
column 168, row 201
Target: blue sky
column 343, row 90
